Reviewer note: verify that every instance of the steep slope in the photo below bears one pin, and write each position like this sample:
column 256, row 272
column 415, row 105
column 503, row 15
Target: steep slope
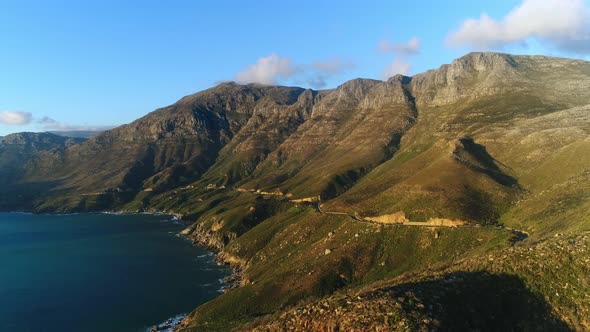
column 497, row 139
column 501, row 292
column 275, row 138
column 454, row 160
column 15, row 149
column 390, row 137
column 268, row 124
column 351, row 130
column 167, row 148
column 16, row 153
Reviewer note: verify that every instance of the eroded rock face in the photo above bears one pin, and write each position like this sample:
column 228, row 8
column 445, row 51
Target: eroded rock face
column 351, row 129
column 474, row 75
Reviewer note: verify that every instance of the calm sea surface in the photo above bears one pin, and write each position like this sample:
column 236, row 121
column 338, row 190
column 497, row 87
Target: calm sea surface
column 98, row 272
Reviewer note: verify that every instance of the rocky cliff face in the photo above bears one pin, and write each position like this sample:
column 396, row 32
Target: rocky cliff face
column 472, row 76
column 350, row 130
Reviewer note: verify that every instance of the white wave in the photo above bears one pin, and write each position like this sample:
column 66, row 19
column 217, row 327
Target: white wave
column 168, row 325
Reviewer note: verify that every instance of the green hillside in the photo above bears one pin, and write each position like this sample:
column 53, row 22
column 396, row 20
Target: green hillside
column 377, row 204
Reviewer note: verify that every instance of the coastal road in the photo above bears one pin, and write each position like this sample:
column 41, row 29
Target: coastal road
column 519, row 235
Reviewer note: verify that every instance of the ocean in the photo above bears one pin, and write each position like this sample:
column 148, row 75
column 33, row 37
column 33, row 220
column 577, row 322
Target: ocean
column 99, row 272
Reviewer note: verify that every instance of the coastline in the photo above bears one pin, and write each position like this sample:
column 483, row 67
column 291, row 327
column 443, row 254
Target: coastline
column 170, row 325
column 228, row 282
column 193, row 233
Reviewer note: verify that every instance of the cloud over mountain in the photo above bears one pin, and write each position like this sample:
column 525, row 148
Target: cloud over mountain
column 401, row 53
column 411, row 48
column 51, row 124
column 17, row 118
column 273, row 69
column 397, row 66
column 268, row 70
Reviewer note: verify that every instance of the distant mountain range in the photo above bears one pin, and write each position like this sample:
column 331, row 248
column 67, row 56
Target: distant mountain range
column 495, row 143
column 77, row 133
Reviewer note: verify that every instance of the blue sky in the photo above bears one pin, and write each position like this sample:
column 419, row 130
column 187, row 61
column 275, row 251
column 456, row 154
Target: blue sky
column 90, row 64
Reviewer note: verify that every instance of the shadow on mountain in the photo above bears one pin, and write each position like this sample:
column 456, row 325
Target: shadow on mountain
column 22, row 196
column 477, row 158
column 480, row 301
column 342, row 182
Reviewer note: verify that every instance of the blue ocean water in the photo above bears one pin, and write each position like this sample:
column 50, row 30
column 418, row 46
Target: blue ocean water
column 99, row 272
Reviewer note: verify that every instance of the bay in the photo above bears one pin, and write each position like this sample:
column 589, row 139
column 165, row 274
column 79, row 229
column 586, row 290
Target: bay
column 99, row 272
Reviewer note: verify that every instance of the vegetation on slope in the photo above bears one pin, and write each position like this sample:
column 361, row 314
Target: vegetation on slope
column 539, row 287
column 494, row 141
column 300, row 254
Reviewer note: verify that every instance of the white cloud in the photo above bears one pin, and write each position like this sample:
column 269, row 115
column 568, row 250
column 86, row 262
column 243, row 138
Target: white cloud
column 50, row 124
column 563, row 23
column 332, row 66
column 17, row 118
column 397, row 66
column 273, row 69
column 411, row 48
column 401, row 53
column 268, row 70
column 320, row 71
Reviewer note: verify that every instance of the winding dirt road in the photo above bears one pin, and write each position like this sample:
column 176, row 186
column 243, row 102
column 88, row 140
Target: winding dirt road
column 519, row 235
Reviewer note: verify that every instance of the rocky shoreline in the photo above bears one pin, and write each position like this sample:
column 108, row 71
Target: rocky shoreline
column 198, row 237
column 169, row 325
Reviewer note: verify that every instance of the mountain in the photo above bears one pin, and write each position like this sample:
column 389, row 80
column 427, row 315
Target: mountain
column 17, row 149
column 17, row 152
column 369, row 187
column 77, row 133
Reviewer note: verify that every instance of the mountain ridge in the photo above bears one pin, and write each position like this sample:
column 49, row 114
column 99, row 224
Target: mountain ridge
column 275, row 128
column 498, row 142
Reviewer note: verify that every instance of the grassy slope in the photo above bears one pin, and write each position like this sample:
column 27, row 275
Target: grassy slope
column 528, row 287
column 299, row 254
column 535, row 133
column 531, row 135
